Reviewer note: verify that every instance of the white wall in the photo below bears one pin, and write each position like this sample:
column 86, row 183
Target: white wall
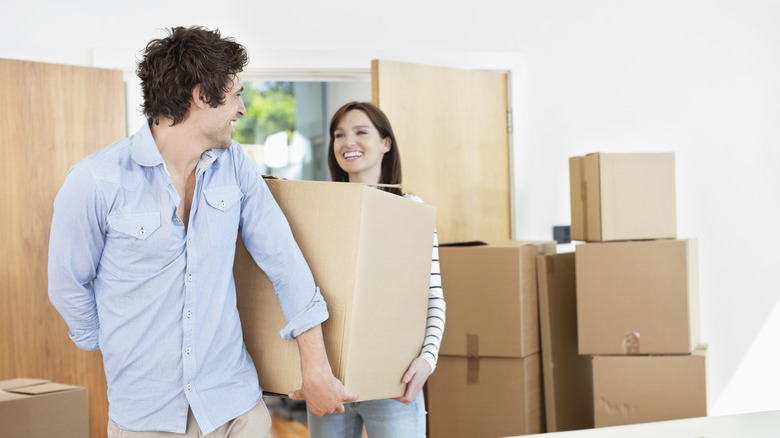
column 697, row 77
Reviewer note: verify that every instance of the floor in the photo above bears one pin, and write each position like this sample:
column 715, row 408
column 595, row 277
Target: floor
column 288, row 417
column 281, row 427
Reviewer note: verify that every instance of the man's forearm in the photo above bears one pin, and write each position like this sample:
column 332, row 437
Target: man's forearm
column 323, row 392
column 314, row 358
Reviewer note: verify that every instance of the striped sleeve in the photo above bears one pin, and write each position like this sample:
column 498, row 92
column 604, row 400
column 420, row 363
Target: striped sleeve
column 436, row 311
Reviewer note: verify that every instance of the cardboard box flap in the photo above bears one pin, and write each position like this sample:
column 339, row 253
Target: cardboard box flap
column 44, row 388
column 459, row 244
column 19, row 383
column 543, row 246
column 6, row 396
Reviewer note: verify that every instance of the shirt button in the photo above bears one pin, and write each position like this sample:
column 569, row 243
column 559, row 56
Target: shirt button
column 189, row 386
column 189, row 278
column 188, row 349
column 142, row 232
column 189, row 314
column 176, row 219
column 189, row 241
column 223, row 204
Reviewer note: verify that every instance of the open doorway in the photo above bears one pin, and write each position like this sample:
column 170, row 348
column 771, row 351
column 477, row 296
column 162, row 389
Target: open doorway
column 285, row 129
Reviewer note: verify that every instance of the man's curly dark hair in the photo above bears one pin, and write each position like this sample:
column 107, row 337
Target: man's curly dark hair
column 171, row 67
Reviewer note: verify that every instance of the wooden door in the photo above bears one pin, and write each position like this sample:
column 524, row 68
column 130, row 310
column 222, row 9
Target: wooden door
column 451, row 128
column 52, row 116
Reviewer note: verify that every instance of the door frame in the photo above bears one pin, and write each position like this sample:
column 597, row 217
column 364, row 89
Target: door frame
column 355, row 65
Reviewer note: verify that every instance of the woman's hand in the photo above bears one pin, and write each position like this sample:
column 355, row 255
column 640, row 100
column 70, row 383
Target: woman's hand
column 415, row 378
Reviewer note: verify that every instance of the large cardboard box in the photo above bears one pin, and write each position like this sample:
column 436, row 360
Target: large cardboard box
column 568, row 376
column 637, row 297
column 34, row 408
column 492, row 307
column 640, row 389
column 485, row 397
column 626, row 196
column 370, row 253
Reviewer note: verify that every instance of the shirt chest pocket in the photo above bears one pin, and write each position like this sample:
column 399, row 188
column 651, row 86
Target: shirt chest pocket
column 223, row 214
column 137, row 225
column 133, row 242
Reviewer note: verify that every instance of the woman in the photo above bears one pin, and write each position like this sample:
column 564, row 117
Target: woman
column 363, row 150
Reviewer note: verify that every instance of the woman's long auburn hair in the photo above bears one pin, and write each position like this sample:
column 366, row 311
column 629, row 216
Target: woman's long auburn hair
column 391, row 161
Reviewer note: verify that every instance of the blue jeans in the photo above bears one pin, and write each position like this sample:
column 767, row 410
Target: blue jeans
column 383, row 419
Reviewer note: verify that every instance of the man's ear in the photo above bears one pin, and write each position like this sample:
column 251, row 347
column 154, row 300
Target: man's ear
column 198, row 98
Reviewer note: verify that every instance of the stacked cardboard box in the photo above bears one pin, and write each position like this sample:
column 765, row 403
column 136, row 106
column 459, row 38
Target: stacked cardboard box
column 488, row 379
column 637, row 290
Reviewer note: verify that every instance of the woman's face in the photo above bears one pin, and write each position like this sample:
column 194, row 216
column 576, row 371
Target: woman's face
column 358, row 147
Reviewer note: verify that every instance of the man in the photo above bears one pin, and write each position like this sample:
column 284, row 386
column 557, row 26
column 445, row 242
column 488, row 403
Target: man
column 141, row 254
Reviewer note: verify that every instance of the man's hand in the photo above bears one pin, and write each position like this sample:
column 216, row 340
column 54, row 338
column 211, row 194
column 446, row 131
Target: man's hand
column 323, row 392
column 414, row 378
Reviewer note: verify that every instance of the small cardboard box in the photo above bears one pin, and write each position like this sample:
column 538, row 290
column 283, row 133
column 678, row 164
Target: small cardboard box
column 34, row 408
column 370, row 254
column 637, row 297
column 485, row 397
column 623, row 196
column 568, row 377
column 491, row 298
column 641, row 389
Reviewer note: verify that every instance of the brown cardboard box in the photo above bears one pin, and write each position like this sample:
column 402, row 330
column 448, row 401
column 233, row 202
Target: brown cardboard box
column 623, row 196
column 491, row 299
column 568, row 377
column 488, row 379
column 370, row 253
column 640, row 389
column 485, row 397
column 637, row 297
column 33, row 408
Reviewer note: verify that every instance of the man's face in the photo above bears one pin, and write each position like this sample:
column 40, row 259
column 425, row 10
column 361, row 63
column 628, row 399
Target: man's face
column 221, row 119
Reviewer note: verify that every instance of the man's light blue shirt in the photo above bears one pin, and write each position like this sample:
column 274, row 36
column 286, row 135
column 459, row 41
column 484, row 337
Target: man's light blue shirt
column 159, row 302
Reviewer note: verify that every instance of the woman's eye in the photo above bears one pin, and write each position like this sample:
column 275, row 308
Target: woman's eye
column 339, row 135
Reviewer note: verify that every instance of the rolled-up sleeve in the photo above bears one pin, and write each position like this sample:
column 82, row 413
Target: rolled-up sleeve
column 75, row 247
column 268, row 238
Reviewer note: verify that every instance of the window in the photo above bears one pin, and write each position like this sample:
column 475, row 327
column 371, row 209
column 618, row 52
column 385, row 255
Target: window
column 285, row 129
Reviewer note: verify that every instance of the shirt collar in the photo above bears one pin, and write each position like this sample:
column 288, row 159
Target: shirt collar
column 146, row 153
column 144, row 149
